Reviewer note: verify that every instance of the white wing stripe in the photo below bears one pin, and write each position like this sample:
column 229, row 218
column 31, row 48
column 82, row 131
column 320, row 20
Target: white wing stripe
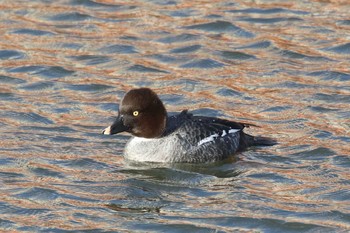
column 233, row 130
column 214, row 136
column 208, row 139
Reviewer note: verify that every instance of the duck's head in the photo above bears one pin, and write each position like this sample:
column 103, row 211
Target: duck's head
column 141, row 113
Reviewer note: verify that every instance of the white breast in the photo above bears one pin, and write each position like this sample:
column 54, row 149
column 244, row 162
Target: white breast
column 153, row 150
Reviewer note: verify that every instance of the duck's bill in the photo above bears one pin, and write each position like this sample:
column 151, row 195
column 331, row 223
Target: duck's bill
column 107, row 131
column 117, row 127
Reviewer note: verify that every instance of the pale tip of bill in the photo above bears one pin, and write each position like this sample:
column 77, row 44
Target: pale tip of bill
column 107, row 131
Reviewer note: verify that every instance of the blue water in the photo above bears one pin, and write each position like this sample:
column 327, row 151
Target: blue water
column 283, row 66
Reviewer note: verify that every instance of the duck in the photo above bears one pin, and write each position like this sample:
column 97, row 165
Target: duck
column 181, row 138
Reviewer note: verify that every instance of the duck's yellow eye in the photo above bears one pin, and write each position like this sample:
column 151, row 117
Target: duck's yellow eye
column 135, row 113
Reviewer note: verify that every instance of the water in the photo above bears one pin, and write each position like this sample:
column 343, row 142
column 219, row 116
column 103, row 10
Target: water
column 282, row 65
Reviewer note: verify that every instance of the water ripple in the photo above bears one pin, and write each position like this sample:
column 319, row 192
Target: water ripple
column 269, row 11
column 340, row 49
column 186, row 49
column 44, row 71
column 331, row 75
column 72, row 16
column 270, row 20
column 179, row 38
column 33, row 32
column 142, row 69
column 10, row 54
column 119, row 49
column 236, row 55
column 203, row 63
column 221, row 26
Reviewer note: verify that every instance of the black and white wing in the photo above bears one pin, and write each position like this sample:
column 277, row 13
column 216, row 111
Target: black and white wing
column 207, row 138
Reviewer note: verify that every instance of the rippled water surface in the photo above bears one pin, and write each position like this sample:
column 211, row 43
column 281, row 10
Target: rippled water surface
column 282, row 65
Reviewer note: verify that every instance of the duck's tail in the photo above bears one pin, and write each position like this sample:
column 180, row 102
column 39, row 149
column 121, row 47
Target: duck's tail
column 258, row 141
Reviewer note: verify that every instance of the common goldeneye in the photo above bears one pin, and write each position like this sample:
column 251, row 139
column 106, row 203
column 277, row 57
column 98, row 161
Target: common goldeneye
column 180, row 138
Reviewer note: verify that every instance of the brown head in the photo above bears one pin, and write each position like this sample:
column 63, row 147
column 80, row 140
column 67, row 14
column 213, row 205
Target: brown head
column 141, row 113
